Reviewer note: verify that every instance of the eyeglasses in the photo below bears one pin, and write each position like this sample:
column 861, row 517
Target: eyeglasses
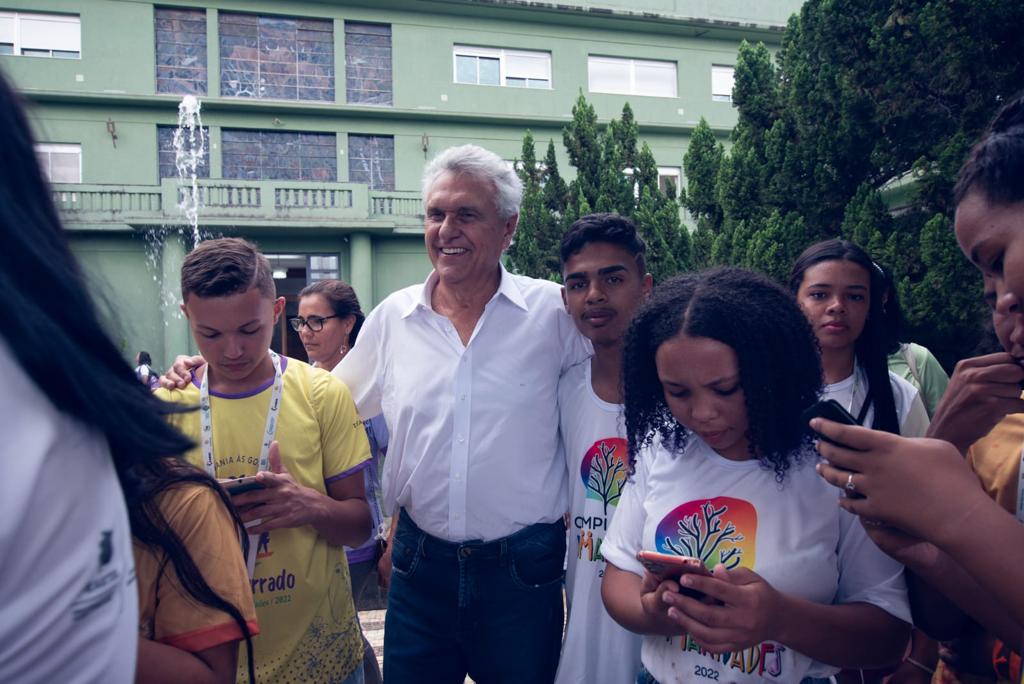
column 315, row 323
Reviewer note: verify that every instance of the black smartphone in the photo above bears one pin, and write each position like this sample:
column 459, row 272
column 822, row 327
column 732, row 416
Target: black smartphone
column 829, row 409
column 241, row 485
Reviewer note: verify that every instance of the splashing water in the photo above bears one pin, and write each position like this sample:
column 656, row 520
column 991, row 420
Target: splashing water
column 189, row 155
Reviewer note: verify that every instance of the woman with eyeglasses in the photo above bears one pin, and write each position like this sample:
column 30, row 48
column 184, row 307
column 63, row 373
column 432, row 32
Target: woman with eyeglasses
column 328, row 322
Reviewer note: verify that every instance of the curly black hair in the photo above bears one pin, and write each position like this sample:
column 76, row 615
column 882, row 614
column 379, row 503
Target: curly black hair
column 779, row 366
column 872, row 347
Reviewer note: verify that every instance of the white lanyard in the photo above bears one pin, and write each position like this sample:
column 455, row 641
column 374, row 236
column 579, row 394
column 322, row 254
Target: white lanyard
column 206, row 426
column 206, row 419
column 1020, row 495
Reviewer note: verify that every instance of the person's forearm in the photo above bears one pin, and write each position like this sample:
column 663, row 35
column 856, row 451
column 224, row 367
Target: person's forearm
column 857, row 635
column 984, row 584
column 934, row 612
column 951, row 429
column 343, row 523
column 162, row 664
column 621, row 593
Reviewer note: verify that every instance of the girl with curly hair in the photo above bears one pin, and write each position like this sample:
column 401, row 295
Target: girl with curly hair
column 718, row 368
column 840, row 290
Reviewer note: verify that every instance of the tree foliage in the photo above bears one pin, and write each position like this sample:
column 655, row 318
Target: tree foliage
column 855, row 128
column 864, row 96
column 614, row 173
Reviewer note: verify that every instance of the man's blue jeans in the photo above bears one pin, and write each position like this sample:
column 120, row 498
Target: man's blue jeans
column 492, row 610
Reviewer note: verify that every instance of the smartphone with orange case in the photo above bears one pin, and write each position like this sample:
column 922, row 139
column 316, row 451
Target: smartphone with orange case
column 669, row 565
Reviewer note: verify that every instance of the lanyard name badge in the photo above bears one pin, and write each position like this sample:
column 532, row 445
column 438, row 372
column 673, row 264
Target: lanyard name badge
column 206, row 428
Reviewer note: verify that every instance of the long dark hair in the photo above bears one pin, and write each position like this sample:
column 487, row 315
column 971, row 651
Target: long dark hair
column 342, row 299
column 54, row 333
column 872, row 346
column 779, row 368
column 892, row 311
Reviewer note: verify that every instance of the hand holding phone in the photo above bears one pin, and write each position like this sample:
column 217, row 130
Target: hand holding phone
column 670, row 566
column 240, row 485
column 829, row 409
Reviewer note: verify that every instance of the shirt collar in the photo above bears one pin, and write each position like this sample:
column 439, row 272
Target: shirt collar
column 507, row 287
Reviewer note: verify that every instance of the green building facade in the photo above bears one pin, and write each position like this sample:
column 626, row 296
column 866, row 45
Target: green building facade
column 319, row 116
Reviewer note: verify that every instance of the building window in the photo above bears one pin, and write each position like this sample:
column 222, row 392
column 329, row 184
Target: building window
column 631, row 76
column 180, row 51
column 40, row 35
column 368, row 63
column 667, row 175
column 166, row 153
column 722, row 79
column 371, row 160
column 276, row 58
column 492, row 66
column 322, row 267
column 61, row 163
column 274, row 155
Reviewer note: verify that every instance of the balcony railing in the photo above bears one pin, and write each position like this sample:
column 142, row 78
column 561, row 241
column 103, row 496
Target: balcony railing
column 243, row 201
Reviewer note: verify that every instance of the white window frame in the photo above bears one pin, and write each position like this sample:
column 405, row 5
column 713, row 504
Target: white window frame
column 673, row 172
column 721, row 70
column 631, row 88
column 13, row 34
column 44, row 152
column 502, row 56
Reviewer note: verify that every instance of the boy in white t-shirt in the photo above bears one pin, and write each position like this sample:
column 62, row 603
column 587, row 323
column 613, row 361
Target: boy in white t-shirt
column 605, row 282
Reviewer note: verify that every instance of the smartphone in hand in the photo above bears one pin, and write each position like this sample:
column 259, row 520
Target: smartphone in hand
column 829, row 409
column 240, row 485
column 670, row 566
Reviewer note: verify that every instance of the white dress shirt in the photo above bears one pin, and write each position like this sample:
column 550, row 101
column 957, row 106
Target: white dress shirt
column 474, row 450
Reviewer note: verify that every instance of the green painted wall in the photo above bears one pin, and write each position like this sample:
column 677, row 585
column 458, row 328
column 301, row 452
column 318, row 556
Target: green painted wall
column 72, row 101
column 398, row 263
column 126, row 283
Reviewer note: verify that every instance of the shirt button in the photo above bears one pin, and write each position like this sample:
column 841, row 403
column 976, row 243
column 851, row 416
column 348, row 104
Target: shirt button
column 462, row 397
column 461, row 439
column 457, row 516
column 458, row 476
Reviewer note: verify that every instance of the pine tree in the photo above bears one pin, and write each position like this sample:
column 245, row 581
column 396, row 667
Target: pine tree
column 526, row 254
column 583, row 144
column 556, row 193
column 701, row 164
column 701, row 243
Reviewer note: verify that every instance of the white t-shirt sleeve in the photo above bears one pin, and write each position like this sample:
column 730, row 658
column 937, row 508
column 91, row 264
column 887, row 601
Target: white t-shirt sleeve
column 909, row 407
column 868, row 575
column 625, row 534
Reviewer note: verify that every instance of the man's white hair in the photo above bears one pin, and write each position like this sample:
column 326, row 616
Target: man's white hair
column 482, row 164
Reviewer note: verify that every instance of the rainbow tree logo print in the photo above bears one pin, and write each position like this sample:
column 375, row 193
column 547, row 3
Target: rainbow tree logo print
column 719, row 530
column 604, row 470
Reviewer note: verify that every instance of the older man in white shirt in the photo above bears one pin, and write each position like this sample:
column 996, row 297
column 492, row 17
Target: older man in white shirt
column 465, row 369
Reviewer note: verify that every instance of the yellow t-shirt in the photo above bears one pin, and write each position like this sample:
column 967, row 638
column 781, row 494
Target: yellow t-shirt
column 167, row 612
column 995, row 459
column 301, row 585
